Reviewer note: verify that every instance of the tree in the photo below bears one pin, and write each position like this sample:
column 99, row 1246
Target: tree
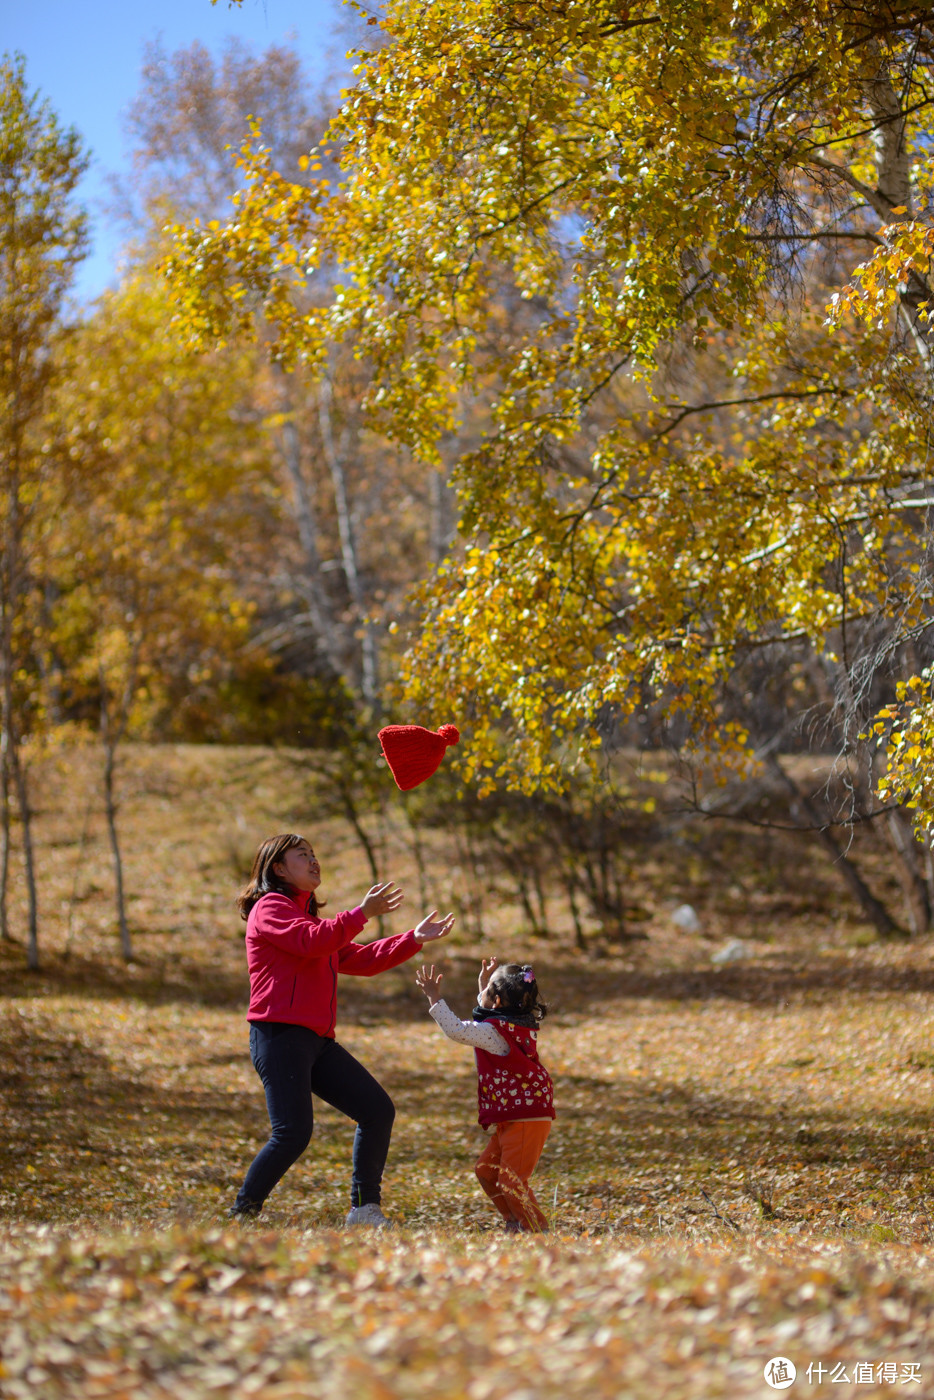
column 42, row 237
column 342, row 577
column 902, row 731
column 683, row 466
column 192, row 108
column 169, row 507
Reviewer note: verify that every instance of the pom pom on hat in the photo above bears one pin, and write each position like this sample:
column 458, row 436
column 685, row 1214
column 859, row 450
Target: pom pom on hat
column 414, row 753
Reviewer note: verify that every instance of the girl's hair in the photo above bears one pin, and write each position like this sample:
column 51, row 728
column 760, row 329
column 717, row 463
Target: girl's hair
column 515, row 985
column 264, row 880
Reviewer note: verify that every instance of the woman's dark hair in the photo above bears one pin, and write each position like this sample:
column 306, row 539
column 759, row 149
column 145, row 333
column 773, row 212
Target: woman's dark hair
column 264, row 880
column 515, row 985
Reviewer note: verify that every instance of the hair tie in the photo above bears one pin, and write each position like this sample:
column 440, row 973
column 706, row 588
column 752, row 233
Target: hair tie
column 528, row 975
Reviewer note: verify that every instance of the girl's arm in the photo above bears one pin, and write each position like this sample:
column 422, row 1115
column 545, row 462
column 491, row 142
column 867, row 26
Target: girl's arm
column 486, row 972
column 480, row 1034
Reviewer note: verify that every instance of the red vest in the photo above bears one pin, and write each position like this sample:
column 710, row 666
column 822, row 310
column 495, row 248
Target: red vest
column 516, row 1085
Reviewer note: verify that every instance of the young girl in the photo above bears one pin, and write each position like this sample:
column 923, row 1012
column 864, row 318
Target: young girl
column 294, row 958
column 514, row 1089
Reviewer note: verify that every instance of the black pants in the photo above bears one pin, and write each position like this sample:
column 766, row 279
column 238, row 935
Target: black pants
column 294, row 1062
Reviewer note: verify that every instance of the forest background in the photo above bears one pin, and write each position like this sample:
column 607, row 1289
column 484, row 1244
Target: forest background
column 567, row 377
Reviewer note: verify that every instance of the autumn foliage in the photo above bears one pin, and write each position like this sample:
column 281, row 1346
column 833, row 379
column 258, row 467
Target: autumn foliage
column 619, row 231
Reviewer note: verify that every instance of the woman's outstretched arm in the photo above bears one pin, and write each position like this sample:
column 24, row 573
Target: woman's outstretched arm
column 276, row 919
column 366, row 959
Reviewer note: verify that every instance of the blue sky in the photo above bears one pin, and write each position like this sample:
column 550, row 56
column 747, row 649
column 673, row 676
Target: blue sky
column 84, row 56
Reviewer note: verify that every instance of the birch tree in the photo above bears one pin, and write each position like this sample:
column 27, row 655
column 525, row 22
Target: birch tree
column 42, row 238
column 190, row 110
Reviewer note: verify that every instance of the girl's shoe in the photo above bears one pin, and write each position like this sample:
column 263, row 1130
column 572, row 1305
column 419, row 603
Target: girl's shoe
column 370, row 1214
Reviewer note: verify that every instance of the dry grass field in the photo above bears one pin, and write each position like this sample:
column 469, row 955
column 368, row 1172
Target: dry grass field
column 741, row 1168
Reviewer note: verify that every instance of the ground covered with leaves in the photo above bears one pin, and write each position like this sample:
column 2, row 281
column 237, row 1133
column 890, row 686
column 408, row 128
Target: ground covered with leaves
column 740, row 1170
column 434, row 1313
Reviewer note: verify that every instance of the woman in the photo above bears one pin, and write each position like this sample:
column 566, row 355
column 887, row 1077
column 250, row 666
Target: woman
column 294, row 957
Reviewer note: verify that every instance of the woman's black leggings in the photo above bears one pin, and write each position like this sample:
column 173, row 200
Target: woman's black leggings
column 294, row 1062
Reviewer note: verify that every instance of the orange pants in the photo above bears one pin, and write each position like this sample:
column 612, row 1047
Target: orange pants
column 504, row 1167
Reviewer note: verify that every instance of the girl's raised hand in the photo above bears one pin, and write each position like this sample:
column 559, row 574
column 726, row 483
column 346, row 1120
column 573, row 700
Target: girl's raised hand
column 430, row 982
column 381, row 899
column 431, row 927
column 487, row 968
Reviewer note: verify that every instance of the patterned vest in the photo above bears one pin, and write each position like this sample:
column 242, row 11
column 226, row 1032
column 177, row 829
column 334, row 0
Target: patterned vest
column 516, row 1085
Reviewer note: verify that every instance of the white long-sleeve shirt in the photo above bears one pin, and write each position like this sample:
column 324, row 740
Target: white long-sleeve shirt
column 480, row 1034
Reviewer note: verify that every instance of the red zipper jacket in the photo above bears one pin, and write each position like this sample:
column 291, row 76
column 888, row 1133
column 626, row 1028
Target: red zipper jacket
column 294, row 959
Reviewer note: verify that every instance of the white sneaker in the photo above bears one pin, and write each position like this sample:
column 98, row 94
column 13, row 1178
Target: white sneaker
column 370, row 1214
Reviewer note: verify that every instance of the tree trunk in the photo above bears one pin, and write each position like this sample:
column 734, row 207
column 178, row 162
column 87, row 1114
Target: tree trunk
column 472, row 902
column 353, row 816
column 10, row 758
column 49, row 663
column 525, row 899
column 579, row 938
column 110, row 807
column 874, row 909
column 345, row 790
column 894, row 163
column 439, row 527
column 4, row 840
column 893, row 158
column 914, row 885
column 418, row 855
column 313, row 590
column 928, row 873
column 112, row 731
column 368, row 676
column 82, row 844
column 25, row 815
column 9, row 739
column 590, row 883
column 539, row 889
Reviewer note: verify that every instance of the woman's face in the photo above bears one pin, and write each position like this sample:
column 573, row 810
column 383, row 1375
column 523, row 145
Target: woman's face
column 299, row 867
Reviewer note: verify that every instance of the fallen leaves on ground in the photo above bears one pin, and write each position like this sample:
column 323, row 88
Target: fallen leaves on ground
column 740, row 1169
column 224, row 1313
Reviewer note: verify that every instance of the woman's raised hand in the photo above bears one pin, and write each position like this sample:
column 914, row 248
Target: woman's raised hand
column 487, row 968
column 430, row 983
column 381, row 899
column 431, row 927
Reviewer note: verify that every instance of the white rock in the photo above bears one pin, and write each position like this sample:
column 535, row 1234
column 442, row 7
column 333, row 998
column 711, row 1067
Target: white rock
column 734, row 951
column 685, row 918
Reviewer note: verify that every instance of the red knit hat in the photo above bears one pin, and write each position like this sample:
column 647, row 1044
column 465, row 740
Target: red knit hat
column 413, row 753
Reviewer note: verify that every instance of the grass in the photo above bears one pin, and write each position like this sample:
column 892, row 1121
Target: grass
column 741, row 1167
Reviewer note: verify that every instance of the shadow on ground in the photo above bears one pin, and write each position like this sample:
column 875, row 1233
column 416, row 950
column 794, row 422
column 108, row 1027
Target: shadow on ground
column 572, row 986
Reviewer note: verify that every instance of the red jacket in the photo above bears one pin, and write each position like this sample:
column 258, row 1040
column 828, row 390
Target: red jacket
column 294, row 959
